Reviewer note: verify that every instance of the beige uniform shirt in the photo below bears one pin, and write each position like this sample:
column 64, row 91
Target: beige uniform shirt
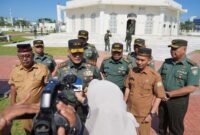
column 29, row 81
column 143, row 87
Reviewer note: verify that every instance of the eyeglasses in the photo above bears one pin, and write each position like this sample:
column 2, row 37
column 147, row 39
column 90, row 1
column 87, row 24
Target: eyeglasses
column 21, row 56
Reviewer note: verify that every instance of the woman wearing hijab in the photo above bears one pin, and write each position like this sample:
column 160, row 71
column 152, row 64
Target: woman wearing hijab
column 107, row 111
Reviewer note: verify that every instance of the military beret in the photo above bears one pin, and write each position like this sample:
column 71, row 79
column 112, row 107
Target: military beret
column 24, row 48
column 117, row 47
column 144, row 52
column 176, row 43
column 139, row 42
column 83, row 34
column 75, row 45
column 38, row 43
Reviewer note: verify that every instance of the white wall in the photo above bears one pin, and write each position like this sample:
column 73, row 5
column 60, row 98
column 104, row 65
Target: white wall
column 122, row 12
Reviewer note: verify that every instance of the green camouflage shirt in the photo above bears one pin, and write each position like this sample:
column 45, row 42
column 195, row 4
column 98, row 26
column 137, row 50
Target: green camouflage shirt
column 46, row 60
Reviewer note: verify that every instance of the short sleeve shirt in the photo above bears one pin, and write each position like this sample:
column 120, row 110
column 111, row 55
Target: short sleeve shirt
column 30, row 81
column 143, row 87
column 178, row 75
column 115, row 71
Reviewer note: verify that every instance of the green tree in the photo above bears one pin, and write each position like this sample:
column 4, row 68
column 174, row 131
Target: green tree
column 22, row 23
column 41, row 20
column 187, row 25
column 2, row 22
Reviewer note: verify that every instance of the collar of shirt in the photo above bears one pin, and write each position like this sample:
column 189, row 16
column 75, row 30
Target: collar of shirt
column 72, row 65
column 32, row 67
column 183, row 61
column 145, row 71
column 115, row 62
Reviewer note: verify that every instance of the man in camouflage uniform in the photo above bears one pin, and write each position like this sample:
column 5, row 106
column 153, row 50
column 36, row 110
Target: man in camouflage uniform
column 41, row 57
column 131, row 57
column 77, row 65
column 27, row 78
column 128, row 41
column 90, row 53
column 115, row 68
column 180, row 77
column 107, row 40
column 144, row 90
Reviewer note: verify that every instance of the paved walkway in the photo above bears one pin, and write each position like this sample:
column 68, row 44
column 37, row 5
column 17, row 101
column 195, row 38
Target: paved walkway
column 191, row 120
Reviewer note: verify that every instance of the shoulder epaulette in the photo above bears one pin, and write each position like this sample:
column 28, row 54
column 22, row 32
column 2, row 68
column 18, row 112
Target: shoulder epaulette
column 49, row 55
column 125, row 59
column 106, row 58
column 91, row 45
column 191, row 62
column 62, row 64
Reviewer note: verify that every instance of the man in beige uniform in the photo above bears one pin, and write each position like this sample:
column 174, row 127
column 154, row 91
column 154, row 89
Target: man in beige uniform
column 143, row 84
column 27, row 78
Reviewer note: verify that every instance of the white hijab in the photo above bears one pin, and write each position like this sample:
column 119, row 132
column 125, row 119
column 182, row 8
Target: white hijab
column 107, row 110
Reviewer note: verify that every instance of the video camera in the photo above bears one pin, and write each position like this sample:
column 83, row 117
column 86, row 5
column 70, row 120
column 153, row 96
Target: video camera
column 47, row 121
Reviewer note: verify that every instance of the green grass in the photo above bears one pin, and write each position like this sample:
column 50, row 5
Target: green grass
column 197, row 51
column 17, row 33
column 17, row 125
column 15, row 39
column 54, row 51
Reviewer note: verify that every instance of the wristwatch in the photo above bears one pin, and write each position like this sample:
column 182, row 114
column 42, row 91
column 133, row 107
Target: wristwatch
column 153, row 114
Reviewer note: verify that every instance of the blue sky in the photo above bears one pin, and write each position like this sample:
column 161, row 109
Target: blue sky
column 34, row 9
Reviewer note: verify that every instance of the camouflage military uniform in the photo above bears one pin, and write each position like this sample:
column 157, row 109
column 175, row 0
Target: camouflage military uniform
column 107, row 40
column 47, row 60
column 90, row 53
column 84, row 71
column 128, row 40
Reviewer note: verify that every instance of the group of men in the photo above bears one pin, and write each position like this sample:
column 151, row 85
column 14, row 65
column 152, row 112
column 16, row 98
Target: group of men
column 145, row 90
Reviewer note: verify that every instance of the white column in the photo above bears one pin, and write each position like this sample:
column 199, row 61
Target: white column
column 161, row 21
column 101, row 19
column 177, row 22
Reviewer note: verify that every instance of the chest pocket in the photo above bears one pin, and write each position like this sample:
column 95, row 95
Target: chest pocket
column 146, row 88
column 122, row 71
column 181, row 77
column 37, row 79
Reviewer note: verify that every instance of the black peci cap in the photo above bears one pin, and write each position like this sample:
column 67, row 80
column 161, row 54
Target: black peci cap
column 144, row 52
column 24, row 48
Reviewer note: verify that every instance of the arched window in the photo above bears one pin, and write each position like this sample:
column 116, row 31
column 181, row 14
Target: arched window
column 93, row 22
column 82, row 21
column 113, row 22
column 73, row 23
column 149, row 24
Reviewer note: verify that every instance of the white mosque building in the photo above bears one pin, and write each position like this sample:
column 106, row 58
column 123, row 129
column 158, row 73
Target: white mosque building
column 148, row 17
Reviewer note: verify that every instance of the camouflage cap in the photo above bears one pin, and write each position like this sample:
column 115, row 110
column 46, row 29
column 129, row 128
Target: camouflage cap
column 24, row 48
column 117, row 47
column 176, row 43
column 140, row 42
column 75, row 45
column 83, row 34
column 37, row 43
column 144, row 52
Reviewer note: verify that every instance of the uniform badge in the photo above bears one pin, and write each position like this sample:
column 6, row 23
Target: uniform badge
column 194, row 70
column 159, row 84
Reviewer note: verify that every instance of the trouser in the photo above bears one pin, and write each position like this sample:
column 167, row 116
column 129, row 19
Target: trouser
column 171, row 117
column 128, row 46
column 107, row 45
column 144, row 128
